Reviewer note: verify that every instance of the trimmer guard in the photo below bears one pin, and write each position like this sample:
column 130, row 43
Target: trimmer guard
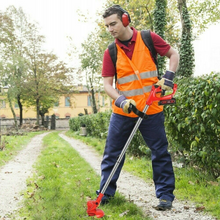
column 92, row 207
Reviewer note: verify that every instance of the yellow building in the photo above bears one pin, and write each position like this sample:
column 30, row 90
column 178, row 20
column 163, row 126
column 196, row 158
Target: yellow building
column 66, row 107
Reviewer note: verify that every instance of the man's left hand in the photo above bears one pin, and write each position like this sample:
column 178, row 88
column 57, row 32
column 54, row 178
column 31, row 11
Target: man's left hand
column 166, row 83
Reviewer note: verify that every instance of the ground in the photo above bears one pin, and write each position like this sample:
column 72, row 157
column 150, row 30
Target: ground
column 14, row 174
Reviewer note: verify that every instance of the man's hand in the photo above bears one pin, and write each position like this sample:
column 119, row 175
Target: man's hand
column 124, row 103
column 166, row 83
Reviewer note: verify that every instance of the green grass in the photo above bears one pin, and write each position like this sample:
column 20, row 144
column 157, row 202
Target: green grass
column 13, row 144
column 62, row 184
column 190, row 183
column 98, row 144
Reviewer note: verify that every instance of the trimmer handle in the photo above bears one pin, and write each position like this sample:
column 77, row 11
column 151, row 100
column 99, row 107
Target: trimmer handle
column 157, row 89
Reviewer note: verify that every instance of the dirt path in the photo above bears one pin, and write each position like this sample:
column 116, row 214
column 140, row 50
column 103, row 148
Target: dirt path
column 14, row 174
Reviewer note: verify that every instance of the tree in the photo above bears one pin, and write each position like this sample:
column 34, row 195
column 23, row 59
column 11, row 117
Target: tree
column 48, row 78
column 12, row 77
column 33, row 76
column 8, row 60
column 186, row 65
column 15, row 67
column 91, row 58
column 22, row 31
column 160, row 25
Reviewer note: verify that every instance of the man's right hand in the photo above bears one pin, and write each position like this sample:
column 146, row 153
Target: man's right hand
column 124, row 103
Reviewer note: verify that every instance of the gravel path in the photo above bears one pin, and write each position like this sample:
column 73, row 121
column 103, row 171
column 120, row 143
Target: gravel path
column 14, row 174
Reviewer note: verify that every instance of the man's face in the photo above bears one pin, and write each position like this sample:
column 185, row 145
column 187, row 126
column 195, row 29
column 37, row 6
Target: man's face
column 114, row 26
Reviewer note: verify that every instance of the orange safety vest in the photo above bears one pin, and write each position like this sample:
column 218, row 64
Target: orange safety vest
column 135, row 78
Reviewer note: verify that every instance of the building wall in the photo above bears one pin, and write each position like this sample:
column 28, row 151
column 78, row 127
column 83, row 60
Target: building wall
column 79, row 102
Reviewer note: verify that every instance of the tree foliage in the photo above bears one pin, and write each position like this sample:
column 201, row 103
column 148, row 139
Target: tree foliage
column 186, row 65
column 91, row 59
column 48, row 79
column 160, row 25
column 32, row 75
column 203, row 14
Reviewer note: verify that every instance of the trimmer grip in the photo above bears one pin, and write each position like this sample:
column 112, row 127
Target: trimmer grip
column 155, row 89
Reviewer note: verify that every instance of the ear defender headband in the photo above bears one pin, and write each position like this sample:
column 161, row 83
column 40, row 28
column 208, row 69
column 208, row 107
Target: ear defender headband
column 125, row 16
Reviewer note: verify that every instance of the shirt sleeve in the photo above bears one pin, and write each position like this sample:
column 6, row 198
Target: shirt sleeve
column 108, row 68
column 160, row 45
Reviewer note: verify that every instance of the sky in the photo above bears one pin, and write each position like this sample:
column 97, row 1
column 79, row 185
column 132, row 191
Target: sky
column 207, row 51
column 58, row 19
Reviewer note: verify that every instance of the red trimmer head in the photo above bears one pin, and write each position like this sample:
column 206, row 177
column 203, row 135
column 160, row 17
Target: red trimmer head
column 92, row 207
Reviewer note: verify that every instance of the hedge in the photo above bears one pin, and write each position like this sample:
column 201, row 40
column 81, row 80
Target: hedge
column 192, row 125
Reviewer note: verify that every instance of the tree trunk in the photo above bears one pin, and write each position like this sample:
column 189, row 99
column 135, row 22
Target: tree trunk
column 21, row 109
column 42, row 119
column 38, row 111
column 13, row 112
column 181, row 6
column 93, row 102
column 94, row 108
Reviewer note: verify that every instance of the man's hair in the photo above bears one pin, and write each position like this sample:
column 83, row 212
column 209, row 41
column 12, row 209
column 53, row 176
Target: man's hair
column 114, row 9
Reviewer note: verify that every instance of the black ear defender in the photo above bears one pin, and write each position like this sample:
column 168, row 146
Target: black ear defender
column 125, row 16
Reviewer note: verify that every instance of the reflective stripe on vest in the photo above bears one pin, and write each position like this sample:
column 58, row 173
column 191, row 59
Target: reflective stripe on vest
column 143, row 75
column 135, row 92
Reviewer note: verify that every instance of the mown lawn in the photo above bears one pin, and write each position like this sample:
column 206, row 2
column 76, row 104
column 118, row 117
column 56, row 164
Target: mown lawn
column 62, row 184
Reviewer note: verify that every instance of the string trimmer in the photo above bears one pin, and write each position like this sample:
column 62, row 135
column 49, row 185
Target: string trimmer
column 163, row 100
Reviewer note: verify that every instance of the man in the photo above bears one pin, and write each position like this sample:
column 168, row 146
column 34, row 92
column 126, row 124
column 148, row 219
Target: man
column 136, row 73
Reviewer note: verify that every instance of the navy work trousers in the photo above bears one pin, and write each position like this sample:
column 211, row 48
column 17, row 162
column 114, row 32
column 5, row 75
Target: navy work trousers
column 153, row 132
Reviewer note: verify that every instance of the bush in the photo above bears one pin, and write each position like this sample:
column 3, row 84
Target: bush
column 193, row 124
column 97, row 126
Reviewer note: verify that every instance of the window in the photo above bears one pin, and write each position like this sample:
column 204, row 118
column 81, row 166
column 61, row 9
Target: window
column 67, row 101
column 89, row 100
column 16, row 105
column 67, row 115
column 3, row 104
column 103, row 101
column 57, row 116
